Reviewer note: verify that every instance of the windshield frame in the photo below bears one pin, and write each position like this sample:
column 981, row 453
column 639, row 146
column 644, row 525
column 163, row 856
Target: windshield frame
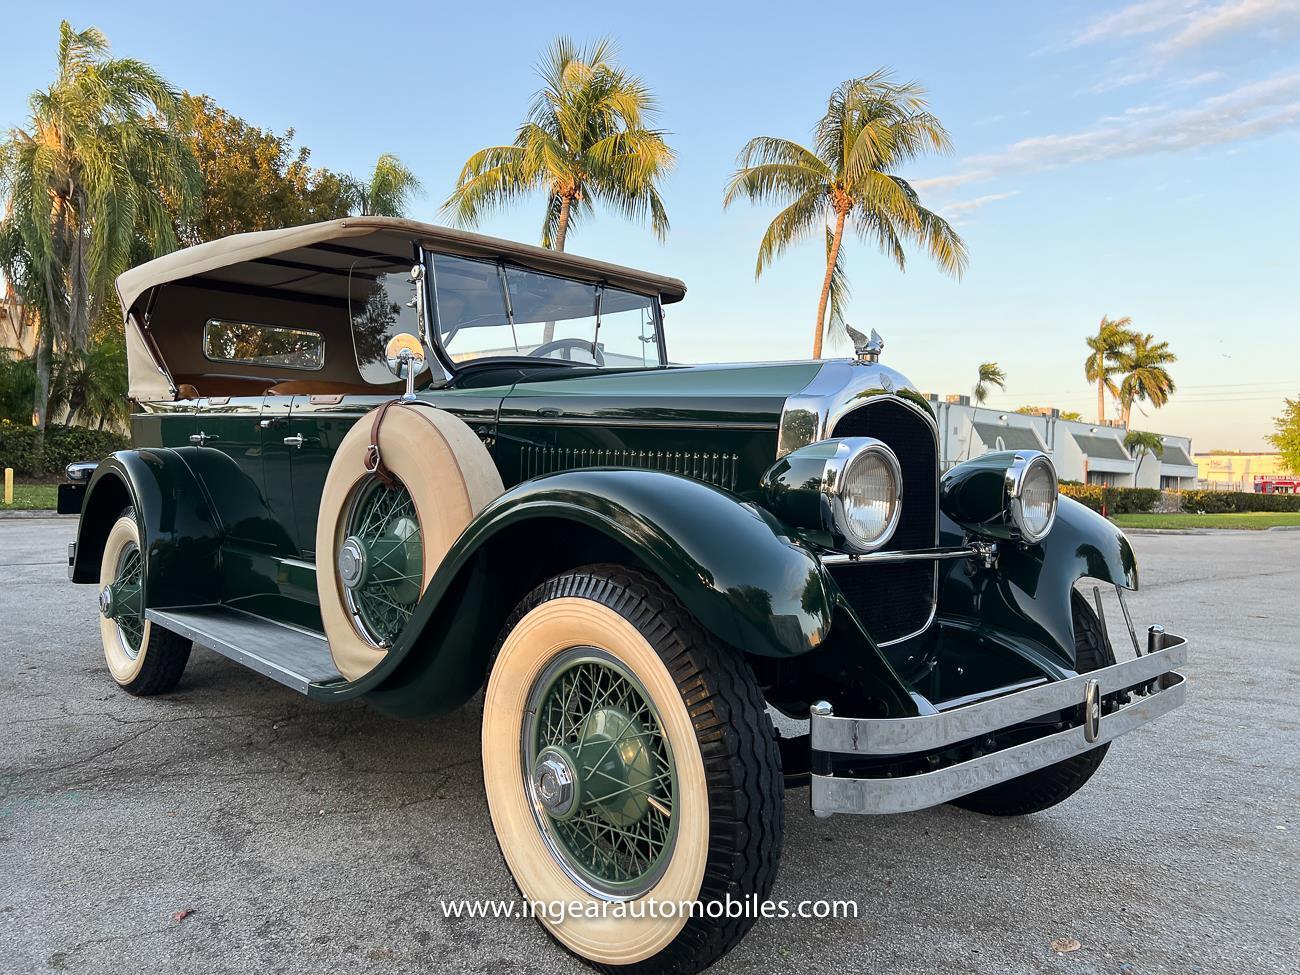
column 434, row 331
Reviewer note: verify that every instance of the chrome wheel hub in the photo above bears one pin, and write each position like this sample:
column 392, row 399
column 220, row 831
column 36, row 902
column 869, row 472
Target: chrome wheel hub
column 106, row 607
column 555, row 783
column 352, row 562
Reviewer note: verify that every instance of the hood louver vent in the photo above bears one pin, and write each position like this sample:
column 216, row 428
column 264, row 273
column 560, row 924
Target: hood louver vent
column 715, row 468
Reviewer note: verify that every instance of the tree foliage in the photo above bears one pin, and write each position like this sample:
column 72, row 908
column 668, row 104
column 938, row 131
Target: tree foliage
column 1286, row 435
column 872, row 127
column 1143, row 442
column 1103, row 361
column 588, row 137
column 99, row 174
column 255, row 179
column 990, row 374
column 386, row 193
column 1142, row 363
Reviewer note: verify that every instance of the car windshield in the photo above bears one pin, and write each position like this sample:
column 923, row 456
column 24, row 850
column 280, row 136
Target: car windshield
column 380, row 306
column 490, row 310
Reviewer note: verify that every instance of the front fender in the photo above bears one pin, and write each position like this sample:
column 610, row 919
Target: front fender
column 181, row 538
column 735, row 567
column 1027, row 594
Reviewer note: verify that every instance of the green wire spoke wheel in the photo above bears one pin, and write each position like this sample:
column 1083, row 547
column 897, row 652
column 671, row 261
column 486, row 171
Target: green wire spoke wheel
column 600, row 772
column 123, row 600
column 381, row 561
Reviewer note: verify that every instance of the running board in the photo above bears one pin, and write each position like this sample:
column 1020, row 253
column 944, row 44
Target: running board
column 296, row 658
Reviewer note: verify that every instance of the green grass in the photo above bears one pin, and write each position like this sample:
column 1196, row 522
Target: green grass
column 32, row 496
column 1242, row 519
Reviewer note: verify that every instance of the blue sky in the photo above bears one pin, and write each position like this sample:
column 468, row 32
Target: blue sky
column 1135, row 159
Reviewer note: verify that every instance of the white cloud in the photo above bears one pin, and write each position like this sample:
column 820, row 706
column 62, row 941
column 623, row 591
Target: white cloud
column 968, row 206
column 1187, row 23
column 1211, row 23
column 1249, row 111
column 1204, row 78
column 1113, row 81
column 1144, row 17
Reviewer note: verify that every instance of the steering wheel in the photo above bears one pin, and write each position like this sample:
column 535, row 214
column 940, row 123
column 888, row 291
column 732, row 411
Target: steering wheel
column 565, row 345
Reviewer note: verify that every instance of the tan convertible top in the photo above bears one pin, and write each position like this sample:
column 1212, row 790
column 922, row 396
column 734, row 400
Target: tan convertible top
column 251, row 259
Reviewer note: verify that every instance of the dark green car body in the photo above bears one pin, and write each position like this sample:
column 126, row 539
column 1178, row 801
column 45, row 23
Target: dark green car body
column 660, row 468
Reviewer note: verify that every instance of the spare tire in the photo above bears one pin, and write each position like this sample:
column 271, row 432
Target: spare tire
column 377, row 547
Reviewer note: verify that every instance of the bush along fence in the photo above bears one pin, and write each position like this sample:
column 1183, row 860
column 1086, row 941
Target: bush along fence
column 63, row 445
column 1123, row 501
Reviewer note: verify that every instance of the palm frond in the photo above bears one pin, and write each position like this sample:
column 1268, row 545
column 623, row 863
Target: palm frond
column 792, row 225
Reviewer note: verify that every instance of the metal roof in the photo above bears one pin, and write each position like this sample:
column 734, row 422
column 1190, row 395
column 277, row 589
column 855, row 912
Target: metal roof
column 1103, row 447
column 1012, row 437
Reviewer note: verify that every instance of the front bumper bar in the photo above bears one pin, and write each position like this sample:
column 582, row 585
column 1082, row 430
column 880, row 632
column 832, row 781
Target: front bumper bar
column 1156, row 689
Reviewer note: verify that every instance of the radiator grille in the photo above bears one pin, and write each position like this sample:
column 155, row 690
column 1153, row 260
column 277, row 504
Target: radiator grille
column 720, row 469
column 895, row 600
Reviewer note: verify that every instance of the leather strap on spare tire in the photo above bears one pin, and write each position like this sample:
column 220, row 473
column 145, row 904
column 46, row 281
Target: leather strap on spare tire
column 374, row 456
column 431, row 455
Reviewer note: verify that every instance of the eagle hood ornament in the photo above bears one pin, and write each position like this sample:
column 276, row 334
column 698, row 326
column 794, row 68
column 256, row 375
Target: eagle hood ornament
column 866, row 348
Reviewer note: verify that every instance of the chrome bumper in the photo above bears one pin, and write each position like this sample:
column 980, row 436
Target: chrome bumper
column 1157, row 690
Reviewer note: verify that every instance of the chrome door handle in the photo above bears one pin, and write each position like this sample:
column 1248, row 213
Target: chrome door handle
column 296, row 440
column 201, row 438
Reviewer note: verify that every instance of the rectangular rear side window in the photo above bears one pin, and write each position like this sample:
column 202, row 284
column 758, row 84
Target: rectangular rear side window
column 263, row 345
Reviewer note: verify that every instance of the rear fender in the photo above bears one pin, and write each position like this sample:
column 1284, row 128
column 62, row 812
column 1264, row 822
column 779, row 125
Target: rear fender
column 181, row 538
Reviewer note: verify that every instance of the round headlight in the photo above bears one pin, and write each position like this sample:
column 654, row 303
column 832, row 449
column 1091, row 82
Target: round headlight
column 1033, row 492
column 870, row 491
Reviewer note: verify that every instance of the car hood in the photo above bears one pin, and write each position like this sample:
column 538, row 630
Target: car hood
column 730, row 394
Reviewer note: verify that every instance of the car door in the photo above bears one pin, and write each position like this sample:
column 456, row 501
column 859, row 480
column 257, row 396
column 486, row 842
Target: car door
column 318, row 424
column 228, row 458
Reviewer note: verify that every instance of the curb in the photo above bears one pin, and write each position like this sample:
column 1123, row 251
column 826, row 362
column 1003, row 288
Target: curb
column 29, row 513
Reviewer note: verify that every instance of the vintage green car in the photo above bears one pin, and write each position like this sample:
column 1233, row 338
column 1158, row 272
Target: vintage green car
column 377, row 458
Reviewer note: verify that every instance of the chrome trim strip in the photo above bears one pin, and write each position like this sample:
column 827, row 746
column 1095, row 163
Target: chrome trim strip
column 839, row 387
column 830, row 795
column 910, row 555
column 900, row 736
column 584, row 421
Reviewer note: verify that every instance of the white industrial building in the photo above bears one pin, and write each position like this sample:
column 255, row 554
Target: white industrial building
column 1093, row 453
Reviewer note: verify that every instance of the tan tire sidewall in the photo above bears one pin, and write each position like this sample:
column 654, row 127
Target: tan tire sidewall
column 549, row 629
column 122, row 667
column 450, row 477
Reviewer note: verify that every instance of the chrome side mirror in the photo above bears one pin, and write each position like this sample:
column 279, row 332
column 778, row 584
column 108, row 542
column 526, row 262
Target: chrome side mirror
column 405, row 356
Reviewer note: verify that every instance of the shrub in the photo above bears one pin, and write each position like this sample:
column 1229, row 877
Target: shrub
column 63, row 445
column 1117, row 500
column 1219, row 502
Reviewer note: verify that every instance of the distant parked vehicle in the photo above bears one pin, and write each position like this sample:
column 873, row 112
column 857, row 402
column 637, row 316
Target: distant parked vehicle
column 650, row 567
column 1276, row 484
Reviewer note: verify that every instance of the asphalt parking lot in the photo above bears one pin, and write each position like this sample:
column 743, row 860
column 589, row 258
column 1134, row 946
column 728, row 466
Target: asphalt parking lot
column 313, row 839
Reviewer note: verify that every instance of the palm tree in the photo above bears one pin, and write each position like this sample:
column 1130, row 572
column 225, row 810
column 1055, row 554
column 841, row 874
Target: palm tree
column 91, row 383
column 1142, row 363
column 872, row 126
column 1102, row 363
column 1141, row 442
column 990, row 374
column 587, row 137
column 89, row 178
column 388, row 191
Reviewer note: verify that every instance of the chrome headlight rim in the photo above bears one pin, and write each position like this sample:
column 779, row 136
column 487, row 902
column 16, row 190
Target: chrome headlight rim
column 835, row 484
column 1016, row 477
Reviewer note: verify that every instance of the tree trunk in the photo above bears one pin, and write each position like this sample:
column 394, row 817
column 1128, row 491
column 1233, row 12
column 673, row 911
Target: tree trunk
column 561, row 230
column 78, row 333
column 826, row 283
column 1101, row 392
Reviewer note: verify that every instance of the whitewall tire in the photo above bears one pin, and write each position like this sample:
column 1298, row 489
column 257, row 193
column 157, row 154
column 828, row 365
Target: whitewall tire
column 605, row 785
